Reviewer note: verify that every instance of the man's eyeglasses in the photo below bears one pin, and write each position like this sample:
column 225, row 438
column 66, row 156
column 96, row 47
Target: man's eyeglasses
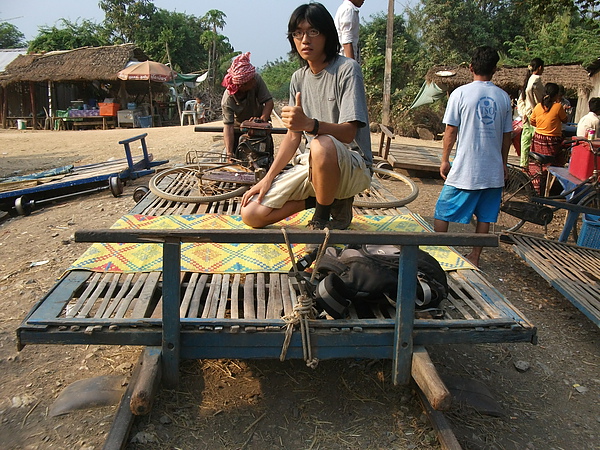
column 310, row 33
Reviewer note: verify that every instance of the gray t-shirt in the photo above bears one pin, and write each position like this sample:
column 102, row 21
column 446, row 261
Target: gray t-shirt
column 336, row 95
column 236, row 110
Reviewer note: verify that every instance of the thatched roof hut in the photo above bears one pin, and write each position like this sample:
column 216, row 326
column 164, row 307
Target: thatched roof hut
column 81, row 64
column 510, row 79
column 572, row 76
column 36, row 85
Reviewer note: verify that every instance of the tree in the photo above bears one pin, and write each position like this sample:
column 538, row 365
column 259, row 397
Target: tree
column 449, row 30
column 127, row 20
column 405, row 64
column 215, row 20
column 277, row 75
column 71, row 35
column 10, row 36
column 563, row 40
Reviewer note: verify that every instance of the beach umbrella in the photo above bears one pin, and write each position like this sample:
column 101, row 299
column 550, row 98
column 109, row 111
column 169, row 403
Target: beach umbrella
column 147, row 70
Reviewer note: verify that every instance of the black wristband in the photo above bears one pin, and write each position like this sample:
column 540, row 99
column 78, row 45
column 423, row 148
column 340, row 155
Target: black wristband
column 315, row 130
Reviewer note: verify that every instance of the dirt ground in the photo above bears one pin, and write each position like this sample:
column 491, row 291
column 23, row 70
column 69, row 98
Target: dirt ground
column 228, row 404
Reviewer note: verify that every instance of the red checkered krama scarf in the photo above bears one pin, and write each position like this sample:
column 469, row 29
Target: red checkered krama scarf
column 240, row 72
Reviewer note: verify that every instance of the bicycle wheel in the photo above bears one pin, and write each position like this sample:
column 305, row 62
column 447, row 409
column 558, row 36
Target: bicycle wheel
column 403, row 188
column 201, row 183
column 518, row 188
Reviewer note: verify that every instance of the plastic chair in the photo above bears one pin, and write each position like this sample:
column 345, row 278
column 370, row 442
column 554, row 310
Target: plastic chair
column 189, row 112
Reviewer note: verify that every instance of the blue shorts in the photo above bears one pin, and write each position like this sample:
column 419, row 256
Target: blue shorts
column 459, row 205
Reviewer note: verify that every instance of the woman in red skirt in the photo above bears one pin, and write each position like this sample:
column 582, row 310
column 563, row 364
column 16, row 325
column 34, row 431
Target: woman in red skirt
column 547, row 118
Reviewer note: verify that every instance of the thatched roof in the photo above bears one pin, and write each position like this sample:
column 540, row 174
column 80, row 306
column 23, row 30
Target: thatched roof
column 81, row 64
column 511, row 79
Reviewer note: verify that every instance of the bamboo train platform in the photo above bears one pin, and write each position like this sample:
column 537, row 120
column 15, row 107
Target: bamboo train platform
column 423, row 159
column 179, row 315
column 572, row 270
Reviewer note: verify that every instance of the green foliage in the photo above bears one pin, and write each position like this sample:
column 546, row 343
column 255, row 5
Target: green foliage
column 128, row 20
column 277, row 77
column 10, row 36
column 450, row 29
column 563, row 40
column 405, row 79
column 69, row 36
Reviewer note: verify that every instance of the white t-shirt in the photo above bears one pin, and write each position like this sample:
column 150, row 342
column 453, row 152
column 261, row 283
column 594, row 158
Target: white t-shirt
column 347, row 23
column 590, row 120
column 482, row 112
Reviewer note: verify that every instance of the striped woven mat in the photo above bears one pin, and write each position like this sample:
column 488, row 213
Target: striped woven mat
column 235, row 258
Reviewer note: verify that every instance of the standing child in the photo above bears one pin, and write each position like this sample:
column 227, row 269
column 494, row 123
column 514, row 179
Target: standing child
column 531, row 95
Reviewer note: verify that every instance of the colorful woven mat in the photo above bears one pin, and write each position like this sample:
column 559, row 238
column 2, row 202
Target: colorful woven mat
column 234, row 258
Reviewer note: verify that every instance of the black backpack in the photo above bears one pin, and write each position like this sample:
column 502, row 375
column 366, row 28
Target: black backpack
column 369, row 273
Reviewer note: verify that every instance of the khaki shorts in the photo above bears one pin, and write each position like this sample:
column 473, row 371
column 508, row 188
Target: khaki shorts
column 295, row 183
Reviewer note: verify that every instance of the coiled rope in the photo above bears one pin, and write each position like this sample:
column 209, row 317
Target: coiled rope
column 304, row 309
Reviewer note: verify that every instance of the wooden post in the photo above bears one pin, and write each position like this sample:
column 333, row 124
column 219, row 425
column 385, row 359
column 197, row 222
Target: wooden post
column 405, row 315
column 171, row 341
column 146, row 385
column 32, row 102
column 387, row 74
column 426, row 376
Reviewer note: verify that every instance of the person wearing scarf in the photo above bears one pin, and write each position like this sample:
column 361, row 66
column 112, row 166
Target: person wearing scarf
column 246, row 97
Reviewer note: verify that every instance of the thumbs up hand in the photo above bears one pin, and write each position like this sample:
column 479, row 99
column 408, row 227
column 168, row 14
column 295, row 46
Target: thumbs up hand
column 293, row 117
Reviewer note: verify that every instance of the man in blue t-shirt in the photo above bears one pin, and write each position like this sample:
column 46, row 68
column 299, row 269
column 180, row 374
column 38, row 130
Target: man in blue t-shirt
column 478, row 119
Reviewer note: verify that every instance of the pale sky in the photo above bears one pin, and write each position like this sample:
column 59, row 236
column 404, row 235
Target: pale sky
column 257, row 27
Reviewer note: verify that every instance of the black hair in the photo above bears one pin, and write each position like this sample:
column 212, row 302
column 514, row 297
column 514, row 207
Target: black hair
column 551, row 93
column 484, row 60
column 320, row 19
column 594, row 105
column 534, row 65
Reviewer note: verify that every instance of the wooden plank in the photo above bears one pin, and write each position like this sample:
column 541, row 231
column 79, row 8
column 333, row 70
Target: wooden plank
column 108, row 295
column 143, row 304
column 214, row 290
column 196, row 301
column 235, row 292
column 261, row 298
column 124, row 305
column 71, row 310
column 444, row 432
column 222, row 306
column 274, row 300
column 122, row 292
column 249, row 311
column 123, row 419
column 147, row 383
column 187, row 295
column 89, row 303
column 427, row 378
column 288, row 295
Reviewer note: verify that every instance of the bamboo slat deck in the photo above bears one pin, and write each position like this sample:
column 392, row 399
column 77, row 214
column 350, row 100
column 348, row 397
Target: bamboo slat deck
column 421, row 158
column 240, row 315
column 572, row 270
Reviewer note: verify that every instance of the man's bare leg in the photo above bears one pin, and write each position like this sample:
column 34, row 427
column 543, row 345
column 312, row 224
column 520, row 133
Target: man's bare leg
column 473, row 257
column 440, row 226
column 325, row 171
column 259, row 216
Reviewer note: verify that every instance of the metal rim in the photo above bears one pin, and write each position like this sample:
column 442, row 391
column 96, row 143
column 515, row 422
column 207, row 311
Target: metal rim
column 367, row 201
column 179, row 184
